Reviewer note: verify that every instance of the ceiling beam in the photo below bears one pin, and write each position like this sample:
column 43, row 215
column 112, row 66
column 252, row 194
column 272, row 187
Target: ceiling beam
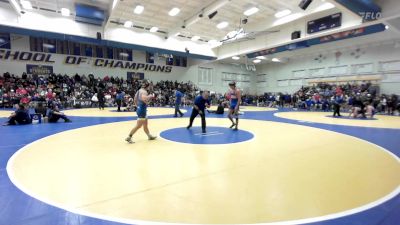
column 113, row 6
column 16, row 6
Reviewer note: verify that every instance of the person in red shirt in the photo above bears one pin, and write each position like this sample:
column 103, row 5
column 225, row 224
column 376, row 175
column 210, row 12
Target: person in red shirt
column 50, row 95
column 25, row 100
column 19, row 90
column 339, row 91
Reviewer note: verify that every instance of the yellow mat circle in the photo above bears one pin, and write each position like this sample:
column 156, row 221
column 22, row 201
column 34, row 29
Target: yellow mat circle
column 111, row 112
column 287, row 172
column 5, row 113
column 323, row 117
column 249, row 109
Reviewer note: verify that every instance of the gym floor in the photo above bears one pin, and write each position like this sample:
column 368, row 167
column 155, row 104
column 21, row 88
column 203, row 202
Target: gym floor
column 281, row 167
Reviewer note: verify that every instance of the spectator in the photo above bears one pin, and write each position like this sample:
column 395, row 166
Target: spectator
column 220, row 109
column 336, row 105
column 178, row 102
column 94, row 99
column 40, row 109
column 101, row 98
column 369, row 110
column 55, row 115
column 119, row 99
column 19, row 117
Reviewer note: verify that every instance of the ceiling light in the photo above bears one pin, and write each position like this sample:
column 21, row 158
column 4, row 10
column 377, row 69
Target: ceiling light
column 324, row 7
column 114, row 4
column 260, row 57
column 26, row 4
column 232, row 34
column 251, row 11
column 287, row 19
column 257, row 61
column 235, row 57
column 16, row 5
column 45, row 45
column 128, row 24
column 195, row 38
column 124, row 54
column 282, row 13
column 212, row 42
column 275, row 60
column 138, row 9
column 222, row 25
column 154, row 29
column 65, row 12
column 174, row 11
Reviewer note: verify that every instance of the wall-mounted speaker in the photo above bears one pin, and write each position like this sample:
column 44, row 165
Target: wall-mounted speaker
column 304, row 4
column 98, row 36
column 296, row 35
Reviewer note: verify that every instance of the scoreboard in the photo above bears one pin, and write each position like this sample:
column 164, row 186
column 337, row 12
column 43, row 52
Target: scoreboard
column 324, row 23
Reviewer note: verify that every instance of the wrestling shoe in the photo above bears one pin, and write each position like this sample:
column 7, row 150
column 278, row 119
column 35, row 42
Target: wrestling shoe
column 129, row 140
column 152, row 137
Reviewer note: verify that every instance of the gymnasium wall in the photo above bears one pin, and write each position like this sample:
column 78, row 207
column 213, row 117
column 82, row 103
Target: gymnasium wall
column 193, row 72
column 221, row 75
column 21, row 43
column 370, row 60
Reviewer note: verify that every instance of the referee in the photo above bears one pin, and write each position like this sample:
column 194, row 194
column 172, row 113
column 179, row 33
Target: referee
column 200, row 103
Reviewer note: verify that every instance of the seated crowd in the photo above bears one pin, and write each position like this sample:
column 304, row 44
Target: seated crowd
column 47, row 93
column 360, row 100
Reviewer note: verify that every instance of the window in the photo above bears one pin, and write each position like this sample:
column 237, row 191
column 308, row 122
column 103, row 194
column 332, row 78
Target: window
column 205, row 76
column 170, row 61
column 262, row 80
column 5, row 40
column 365, row 68
column 242, row 80
column 62, row 47
column 99, row 53
column 184, row 61
column 149, row 57
column 49, row 45
column 110, row 53
column 118, row 53
column 296, row 82
column 299, row 73
column 389, row 66
column 177, row 61
column 39, row 44
column 130, row 54
column 36, row 44
column 87, row 50
column 123, row 54
column 283, row 83
column 75, row 48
